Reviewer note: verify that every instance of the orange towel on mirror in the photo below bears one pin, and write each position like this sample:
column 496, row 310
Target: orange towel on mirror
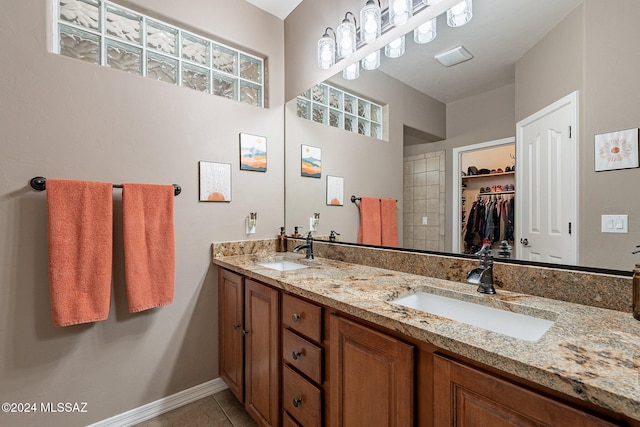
column 80, row 239
column 388, row 222
column 149, row 245
column 369, row 232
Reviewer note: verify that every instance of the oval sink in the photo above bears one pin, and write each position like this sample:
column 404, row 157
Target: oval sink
column 283, row 265
column 504, row 322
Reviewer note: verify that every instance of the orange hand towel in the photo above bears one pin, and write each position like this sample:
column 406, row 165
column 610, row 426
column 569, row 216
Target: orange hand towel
column 80, row 234
column 149, row 245
column 369, row 232
column 388, row 222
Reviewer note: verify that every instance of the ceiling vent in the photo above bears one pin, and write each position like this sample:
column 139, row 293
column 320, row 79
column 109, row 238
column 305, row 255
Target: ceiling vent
column 453, row 56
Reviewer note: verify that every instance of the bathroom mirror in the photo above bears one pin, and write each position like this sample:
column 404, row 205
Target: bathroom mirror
column 431, row 110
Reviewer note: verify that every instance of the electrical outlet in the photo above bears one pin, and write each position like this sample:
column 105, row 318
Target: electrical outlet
column 424, row 220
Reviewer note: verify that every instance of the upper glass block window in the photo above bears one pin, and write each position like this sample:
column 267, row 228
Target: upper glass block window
column 105, row 33
column 340, row 109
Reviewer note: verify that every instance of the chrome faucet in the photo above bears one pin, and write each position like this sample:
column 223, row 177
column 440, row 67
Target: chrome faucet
column 483, row 275
column 308, row 246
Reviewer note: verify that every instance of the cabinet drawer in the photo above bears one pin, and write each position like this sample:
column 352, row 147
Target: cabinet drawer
column 288, row 421
column 300, row 398
column 303, row 317
column 302, row 355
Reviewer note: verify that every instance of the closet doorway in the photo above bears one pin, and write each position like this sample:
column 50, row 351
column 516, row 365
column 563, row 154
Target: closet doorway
column 483, row 197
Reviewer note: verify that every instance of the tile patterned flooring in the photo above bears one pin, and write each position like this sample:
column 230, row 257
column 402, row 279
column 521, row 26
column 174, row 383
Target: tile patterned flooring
column 219, row 410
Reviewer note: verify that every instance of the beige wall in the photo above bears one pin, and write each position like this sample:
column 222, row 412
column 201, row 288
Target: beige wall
column 370, row 167
column 485, row 117
column 590, row 51
column 62, row 118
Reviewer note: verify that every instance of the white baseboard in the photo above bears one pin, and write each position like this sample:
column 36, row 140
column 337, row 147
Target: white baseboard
column 160, row 406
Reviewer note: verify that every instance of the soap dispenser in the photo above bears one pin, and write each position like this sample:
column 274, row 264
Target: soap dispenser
column 296, row 233
column 281, row 243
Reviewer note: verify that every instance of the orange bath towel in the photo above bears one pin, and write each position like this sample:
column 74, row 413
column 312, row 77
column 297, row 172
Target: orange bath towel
column 388, row 222
column 149, row 245
column 369, row 232
column 80, row 234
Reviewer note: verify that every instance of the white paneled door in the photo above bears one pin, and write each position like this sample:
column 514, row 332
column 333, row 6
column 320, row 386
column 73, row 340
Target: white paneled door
column 547, row 184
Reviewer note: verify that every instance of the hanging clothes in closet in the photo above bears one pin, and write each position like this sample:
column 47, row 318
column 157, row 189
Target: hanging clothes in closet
column 492, row 218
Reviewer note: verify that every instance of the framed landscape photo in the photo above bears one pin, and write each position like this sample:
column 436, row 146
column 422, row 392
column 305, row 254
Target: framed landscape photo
column 311, row 162
column 253, row 153
column 616, row 150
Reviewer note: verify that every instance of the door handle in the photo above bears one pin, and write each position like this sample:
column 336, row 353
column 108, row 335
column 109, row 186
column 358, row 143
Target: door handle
column 524, row 241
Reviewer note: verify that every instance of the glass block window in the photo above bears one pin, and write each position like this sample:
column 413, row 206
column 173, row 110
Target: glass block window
column 105, row 33
column 335, row 107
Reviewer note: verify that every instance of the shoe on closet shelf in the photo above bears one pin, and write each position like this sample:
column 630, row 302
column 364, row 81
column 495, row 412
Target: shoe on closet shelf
column 499, row 170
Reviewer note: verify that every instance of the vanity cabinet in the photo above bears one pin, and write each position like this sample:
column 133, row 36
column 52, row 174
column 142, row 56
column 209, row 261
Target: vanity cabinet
column 249, row 343
column 468, row 397
column 304, row 364
column 302, row 356
column 372, row 377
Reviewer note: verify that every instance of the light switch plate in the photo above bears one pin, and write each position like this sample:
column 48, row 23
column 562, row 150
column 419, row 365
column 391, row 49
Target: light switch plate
column 615, row 223
column 424, row 220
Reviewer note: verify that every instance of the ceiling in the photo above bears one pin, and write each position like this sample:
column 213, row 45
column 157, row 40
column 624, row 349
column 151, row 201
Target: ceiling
column 279, row 8
column 500, row 32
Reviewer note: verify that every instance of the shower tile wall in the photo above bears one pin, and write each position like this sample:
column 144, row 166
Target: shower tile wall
column 424, row 196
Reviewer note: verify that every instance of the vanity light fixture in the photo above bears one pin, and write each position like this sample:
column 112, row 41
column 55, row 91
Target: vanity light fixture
column 346, row 36
column 371, row 61
column 395, row 49
column 426, row 32
column 370, row 22
column 400, row 11
column 327, row 50
column 431, row 2
column 460, row 14
column 351, row 72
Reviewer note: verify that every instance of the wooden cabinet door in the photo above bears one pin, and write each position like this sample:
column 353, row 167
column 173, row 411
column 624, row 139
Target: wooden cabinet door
column 262, row 367
column 230, row 327
column 467, row 397
column 371, row 377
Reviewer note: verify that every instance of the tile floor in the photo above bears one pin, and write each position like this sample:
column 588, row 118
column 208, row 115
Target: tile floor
column 220, row 410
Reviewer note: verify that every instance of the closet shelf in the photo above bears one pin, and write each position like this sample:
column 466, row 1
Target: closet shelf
column 496, row 193
column 487, row 175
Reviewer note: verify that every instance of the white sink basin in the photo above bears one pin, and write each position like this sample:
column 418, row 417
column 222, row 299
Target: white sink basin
column 283, row 265
column 504, row 322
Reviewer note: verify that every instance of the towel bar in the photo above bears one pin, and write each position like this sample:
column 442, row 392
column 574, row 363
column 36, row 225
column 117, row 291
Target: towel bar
column 357, row 199
column 39, row 183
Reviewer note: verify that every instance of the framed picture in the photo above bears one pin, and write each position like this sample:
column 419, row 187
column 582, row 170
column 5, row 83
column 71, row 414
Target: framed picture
column 215, row 182
column 311, row 161
column 335, row 190
column 616, row 150
column 253, row 153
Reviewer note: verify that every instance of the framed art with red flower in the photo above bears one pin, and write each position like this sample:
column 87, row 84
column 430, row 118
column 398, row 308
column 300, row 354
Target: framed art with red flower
column 616, row 150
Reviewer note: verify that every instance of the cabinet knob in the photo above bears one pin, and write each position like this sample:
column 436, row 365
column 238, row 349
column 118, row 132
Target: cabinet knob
column 245, row 333
column 296, row 317
column 297, row 402
column 296, row 355
column 236, row 326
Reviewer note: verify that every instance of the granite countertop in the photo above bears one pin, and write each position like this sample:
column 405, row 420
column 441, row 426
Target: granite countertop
column 589, row 353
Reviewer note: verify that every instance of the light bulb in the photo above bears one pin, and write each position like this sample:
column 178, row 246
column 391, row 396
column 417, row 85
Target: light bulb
column 459, row 14
column 425, row 32
column 325, row 54
column 371, row 61
column 370, row 25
